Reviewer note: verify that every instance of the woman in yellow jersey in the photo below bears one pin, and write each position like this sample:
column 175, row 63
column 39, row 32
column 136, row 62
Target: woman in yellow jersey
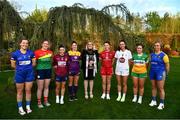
column 159, row 68
column 139, row 72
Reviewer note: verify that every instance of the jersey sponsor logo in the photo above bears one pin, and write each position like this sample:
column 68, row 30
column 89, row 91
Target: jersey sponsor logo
column 61, row 63
column 27, row 62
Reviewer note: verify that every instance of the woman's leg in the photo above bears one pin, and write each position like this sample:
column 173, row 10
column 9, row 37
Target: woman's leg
column 135, row 88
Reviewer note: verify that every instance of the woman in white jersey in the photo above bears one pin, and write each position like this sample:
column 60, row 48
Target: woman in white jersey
column 123, row 57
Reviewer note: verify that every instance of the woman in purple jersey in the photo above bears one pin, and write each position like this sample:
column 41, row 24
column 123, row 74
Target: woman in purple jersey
column 23, row 61
column 74, row 71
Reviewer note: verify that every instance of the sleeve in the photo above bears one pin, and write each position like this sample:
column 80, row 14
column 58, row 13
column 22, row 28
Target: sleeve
column 166, row 59
column 32, row 55
column 129, row 55
column 147, row 59
column 36, row 54
column 100, row 55
column 116, row 54
column 13, row 56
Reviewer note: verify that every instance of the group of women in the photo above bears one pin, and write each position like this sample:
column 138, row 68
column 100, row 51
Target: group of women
column 66, row 66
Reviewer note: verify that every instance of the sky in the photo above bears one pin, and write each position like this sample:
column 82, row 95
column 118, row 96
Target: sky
column 135, row 6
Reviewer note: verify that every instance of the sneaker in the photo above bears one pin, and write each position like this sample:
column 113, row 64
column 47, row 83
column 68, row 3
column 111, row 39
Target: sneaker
column 21, row 111
column 75, row 97
column 86, row 96
column 123, row 99
column 161, row 106
column 91, row 96
column 28, row 109
column 108, row 97
column 40, row 106
column 118, row 98
column 71, row 98
column 103, row 96
column 134, row 99
column 153, row 103
column 140, row 100
column 57, row 100
column 61, row 101
column 47, row 104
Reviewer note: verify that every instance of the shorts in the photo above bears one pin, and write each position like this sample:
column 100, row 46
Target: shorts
column 90, row 75
column 139, row 75
column 106, row 71
column 22, row 76
column 123, row 72
column 44, row 74
column 74, row 73
column 61, row 78
column 157, row 75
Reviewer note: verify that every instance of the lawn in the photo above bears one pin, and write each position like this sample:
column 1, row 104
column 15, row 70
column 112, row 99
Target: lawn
column 97, row 108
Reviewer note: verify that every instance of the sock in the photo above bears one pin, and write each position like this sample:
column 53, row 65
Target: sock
column 19, row 103
column 135, row 96
column 57, row 96
column 39, row 101
column 140, row 97
column 124, row 95
column 75, row 89
column 162, row 101
column 62, row 97
column 119, row 93
column 70, row 88
column 45, row 99
column 154, row 98
column 28, row 103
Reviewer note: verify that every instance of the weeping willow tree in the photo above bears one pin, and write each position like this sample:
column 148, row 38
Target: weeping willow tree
column 10, row 25
column 76, row 22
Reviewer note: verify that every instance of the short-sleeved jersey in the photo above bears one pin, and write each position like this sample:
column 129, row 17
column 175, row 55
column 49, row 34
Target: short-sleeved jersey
column 158, row 61
column 74, row 58
column 123, row 58
column 62, row 64
column 44, row 59
column 107, row 58
column 139, row 63
column 23, row 60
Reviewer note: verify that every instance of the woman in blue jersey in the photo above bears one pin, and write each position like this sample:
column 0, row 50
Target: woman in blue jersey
column 23, row 61
column 159, row 68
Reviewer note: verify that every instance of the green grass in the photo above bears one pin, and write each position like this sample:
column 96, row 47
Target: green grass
column 98, row 108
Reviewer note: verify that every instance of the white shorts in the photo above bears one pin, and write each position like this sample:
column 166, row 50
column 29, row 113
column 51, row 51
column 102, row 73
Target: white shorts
column 124, row 72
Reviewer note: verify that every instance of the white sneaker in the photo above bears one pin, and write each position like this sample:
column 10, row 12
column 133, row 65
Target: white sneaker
column 103, row 96
column 28, row 109
column 47, row 104
column 134, row 99
column 153, row 103
column 140, row 100
column 61, row 101
column 161, row 106
column 21, row 111
column 40, row 106
column 118, row 98
column 91, row 95
column 108, row 97
column 123, row 99
column 57, row 99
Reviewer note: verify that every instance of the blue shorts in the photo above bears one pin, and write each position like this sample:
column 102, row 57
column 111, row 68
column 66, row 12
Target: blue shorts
column 22, row 76
column 61, row 78
column 157, row 75
column 44, row 74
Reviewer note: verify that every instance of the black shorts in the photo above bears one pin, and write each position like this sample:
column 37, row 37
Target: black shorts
column 44, row 74
column 90, row 75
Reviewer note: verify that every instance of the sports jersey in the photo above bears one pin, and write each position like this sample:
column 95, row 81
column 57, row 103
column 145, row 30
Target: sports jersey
column 158, row 61
column 23, row 60
column 61, row 63
column 107, row 58
column 140, row 62
column 73, row 63
column 123, row 57
column 44, row 59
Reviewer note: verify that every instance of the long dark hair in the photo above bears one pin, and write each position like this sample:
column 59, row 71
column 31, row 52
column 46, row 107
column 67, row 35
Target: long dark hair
column 124, row 43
